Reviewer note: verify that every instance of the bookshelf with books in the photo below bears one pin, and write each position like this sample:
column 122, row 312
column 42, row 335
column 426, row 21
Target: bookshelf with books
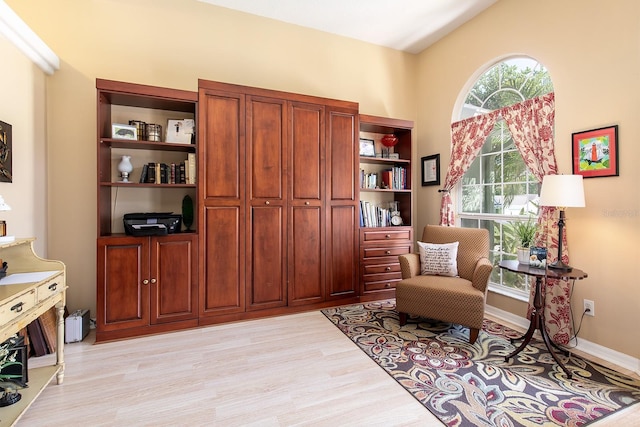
column 146, row 283
column 386, row 204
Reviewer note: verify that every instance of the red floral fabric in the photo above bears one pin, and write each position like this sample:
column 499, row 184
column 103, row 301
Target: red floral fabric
column 531, row 124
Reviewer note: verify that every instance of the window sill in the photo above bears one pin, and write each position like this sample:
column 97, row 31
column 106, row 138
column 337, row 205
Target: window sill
column 508, row 292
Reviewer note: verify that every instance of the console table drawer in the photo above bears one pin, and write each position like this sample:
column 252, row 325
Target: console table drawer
column 17, row 306
column 50, row 287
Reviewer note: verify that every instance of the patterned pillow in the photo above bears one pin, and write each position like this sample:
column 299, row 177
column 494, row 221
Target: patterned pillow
column 438, row 259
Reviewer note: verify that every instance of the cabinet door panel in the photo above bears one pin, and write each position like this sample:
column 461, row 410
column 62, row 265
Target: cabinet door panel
column 267, row 274
column 307, row 151
column 221, row 124
column 342, row 256
column 265, row 146
column 123, row 297
column 306, row 257
column 342, row 156
column 173, row 278
column 223, row 288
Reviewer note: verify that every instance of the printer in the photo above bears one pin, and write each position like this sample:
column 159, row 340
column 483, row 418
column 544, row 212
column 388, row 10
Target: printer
column 151, row 223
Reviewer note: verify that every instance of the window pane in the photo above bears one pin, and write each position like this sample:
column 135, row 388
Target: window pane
column 498, row 187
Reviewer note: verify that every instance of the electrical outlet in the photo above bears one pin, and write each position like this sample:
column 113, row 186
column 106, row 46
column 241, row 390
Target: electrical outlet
column 591, row 306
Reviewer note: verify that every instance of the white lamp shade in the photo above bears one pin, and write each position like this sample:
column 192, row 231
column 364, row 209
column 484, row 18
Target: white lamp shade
column 564, row 191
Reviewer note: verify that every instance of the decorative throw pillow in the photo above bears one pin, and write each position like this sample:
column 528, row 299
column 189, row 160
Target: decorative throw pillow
column 438, row 259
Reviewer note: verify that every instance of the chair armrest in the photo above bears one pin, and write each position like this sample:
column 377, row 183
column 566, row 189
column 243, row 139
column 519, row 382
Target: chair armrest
column 409, row 265
column 481, row 274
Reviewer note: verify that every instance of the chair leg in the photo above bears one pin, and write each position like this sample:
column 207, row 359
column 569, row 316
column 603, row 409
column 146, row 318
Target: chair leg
column 473, row 335
column 403, row 318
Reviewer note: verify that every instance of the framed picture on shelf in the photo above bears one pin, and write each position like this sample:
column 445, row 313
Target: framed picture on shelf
column 430, row 170
column 595, row 152
column 180, row 131
column 122, row 131
column 367, row 147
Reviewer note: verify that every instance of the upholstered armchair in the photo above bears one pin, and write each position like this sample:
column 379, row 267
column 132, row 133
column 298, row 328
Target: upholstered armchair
column 457, row 298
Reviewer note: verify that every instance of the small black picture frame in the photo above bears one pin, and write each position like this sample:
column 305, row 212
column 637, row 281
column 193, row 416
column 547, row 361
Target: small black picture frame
column 430, row 167
column 367, row 147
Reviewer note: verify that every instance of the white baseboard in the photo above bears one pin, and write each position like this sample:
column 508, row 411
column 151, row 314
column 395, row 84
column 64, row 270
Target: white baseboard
column 623, row 360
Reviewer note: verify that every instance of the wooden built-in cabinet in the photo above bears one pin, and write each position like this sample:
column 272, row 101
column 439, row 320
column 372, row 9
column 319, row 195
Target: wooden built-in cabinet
column 380, row 246
column 278, row 202
column 144, row 284
column 277, row 225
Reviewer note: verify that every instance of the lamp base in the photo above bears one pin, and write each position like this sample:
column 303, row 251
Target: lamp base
column 559, row 265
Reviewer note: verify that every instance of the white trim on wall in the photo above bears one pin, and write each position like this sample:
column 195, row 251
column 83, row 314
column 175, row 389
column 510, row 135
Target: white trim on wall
column 623, row 360
column 19, row 33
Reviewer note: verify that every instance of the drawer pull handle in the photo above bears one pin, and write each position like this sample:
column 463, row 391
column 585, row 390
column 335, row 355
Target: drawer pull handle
column 388, row 252
column 266, row 203
column 388, row 285
column 387, row 236
column 153, row 280
column 145, row 282
column 388, row 268
column 18, row 307
column 306, row 203
column 53, row 286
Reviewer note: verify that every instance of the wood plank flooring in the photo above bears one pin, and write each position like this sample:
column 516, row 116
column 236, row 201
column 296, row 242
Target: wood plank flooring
column 282, row 371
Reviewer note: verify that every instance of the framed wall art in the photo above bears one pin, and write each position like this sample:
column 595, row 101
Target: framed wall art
column 595, row 152
column 430, row 170
column 6, row 154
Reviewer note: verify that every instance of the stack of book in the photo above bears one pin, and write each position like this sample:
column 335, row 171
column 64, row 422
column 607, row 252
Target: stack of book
column 170, row 173
column 373, row 215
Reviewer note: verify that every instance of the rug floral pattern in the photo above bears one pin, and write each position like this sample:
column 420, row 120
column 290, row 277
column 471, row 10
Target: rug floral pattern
column 472, row 385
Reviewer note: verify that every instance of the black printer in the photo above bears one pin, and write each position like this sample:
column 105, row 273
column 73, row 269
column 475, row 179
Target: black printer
column 151, row 223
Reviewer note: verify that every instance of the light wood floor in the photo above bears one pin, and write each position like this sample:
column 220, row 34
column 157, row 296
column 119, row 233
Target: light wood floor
column 282, row 371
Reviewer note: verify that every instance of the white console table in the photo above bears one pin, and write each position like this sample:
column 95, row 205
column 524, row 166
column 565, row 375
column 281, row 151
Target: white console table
column 32, row 286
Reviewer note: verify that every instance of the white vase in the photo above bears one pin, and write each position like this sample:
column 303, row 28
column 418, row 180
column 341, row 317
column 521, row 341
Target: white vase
column 523, row 255
column 125, row 167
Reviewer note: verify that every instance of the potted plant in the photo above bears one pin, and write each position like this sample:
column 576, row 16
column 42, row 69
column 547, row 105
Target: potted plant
column 525, row 232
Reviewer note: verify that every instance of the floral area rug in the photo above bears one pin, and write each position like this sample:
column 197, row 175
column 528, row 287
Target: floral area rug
column 472, row 385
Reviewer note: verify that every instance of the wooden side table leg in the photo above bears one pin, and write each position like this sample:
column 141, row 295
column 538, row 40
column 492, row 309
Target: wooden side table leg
column 60, row 341
column 549, row 344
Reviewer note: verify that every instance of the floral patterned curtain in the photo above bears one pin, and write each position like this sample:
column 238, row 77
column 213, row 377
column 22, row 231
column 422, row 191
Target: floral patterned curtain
column 467, row 138
column 531, row 125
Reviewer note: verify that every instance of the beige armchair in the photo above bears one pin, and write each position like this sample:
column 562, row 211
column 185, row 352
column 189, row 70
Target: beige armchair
column 459, row 299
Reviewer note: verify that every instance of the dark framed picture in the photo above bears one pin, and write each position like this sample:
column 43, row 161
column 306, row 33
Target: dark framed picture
column 430, row 166
column 6, row 153
column 595, row 152
column 367, row 147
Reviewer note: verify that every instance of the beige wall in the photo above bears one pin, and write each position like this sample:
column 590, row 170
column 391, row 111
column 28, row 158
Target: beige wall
column 22, row 85
column 591, row 49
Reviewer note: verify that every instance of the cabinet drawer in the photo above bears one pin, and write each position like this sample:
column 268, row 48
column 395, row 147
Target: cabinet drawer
column 381, row 268
column 387, row 235
column 380, row 277
column 390, row 251
column 17, row 306
column 380, row 285
column 50, row 287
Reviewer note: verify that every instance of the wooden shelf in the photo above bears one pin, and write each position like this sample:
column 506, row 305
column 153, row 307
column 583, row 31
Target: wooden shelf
column 147, row 145
column 39, row 378
column 384, row 190
column 383, row 160
column 145, row 185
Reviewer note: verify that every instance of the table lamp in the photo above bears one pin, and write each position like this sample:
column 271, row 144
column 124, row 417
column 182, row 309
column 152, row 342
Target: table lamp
column 3, row 225
column 562, row 191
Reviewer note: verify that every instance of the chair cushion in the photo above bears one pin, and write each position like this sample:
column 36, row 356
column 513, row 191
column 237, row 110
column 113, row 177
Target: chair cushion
column 438, row 259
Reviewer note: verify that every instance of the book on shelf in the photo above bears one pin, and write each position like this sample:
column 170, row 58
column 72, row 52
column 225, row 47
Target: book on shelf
column 144, row 174
column 151, row 173
column 191, row 162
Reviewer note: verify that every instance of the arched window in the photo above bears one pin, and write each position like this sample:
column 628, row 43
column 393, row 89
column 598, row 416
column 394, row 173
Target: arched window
column 498, row 190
